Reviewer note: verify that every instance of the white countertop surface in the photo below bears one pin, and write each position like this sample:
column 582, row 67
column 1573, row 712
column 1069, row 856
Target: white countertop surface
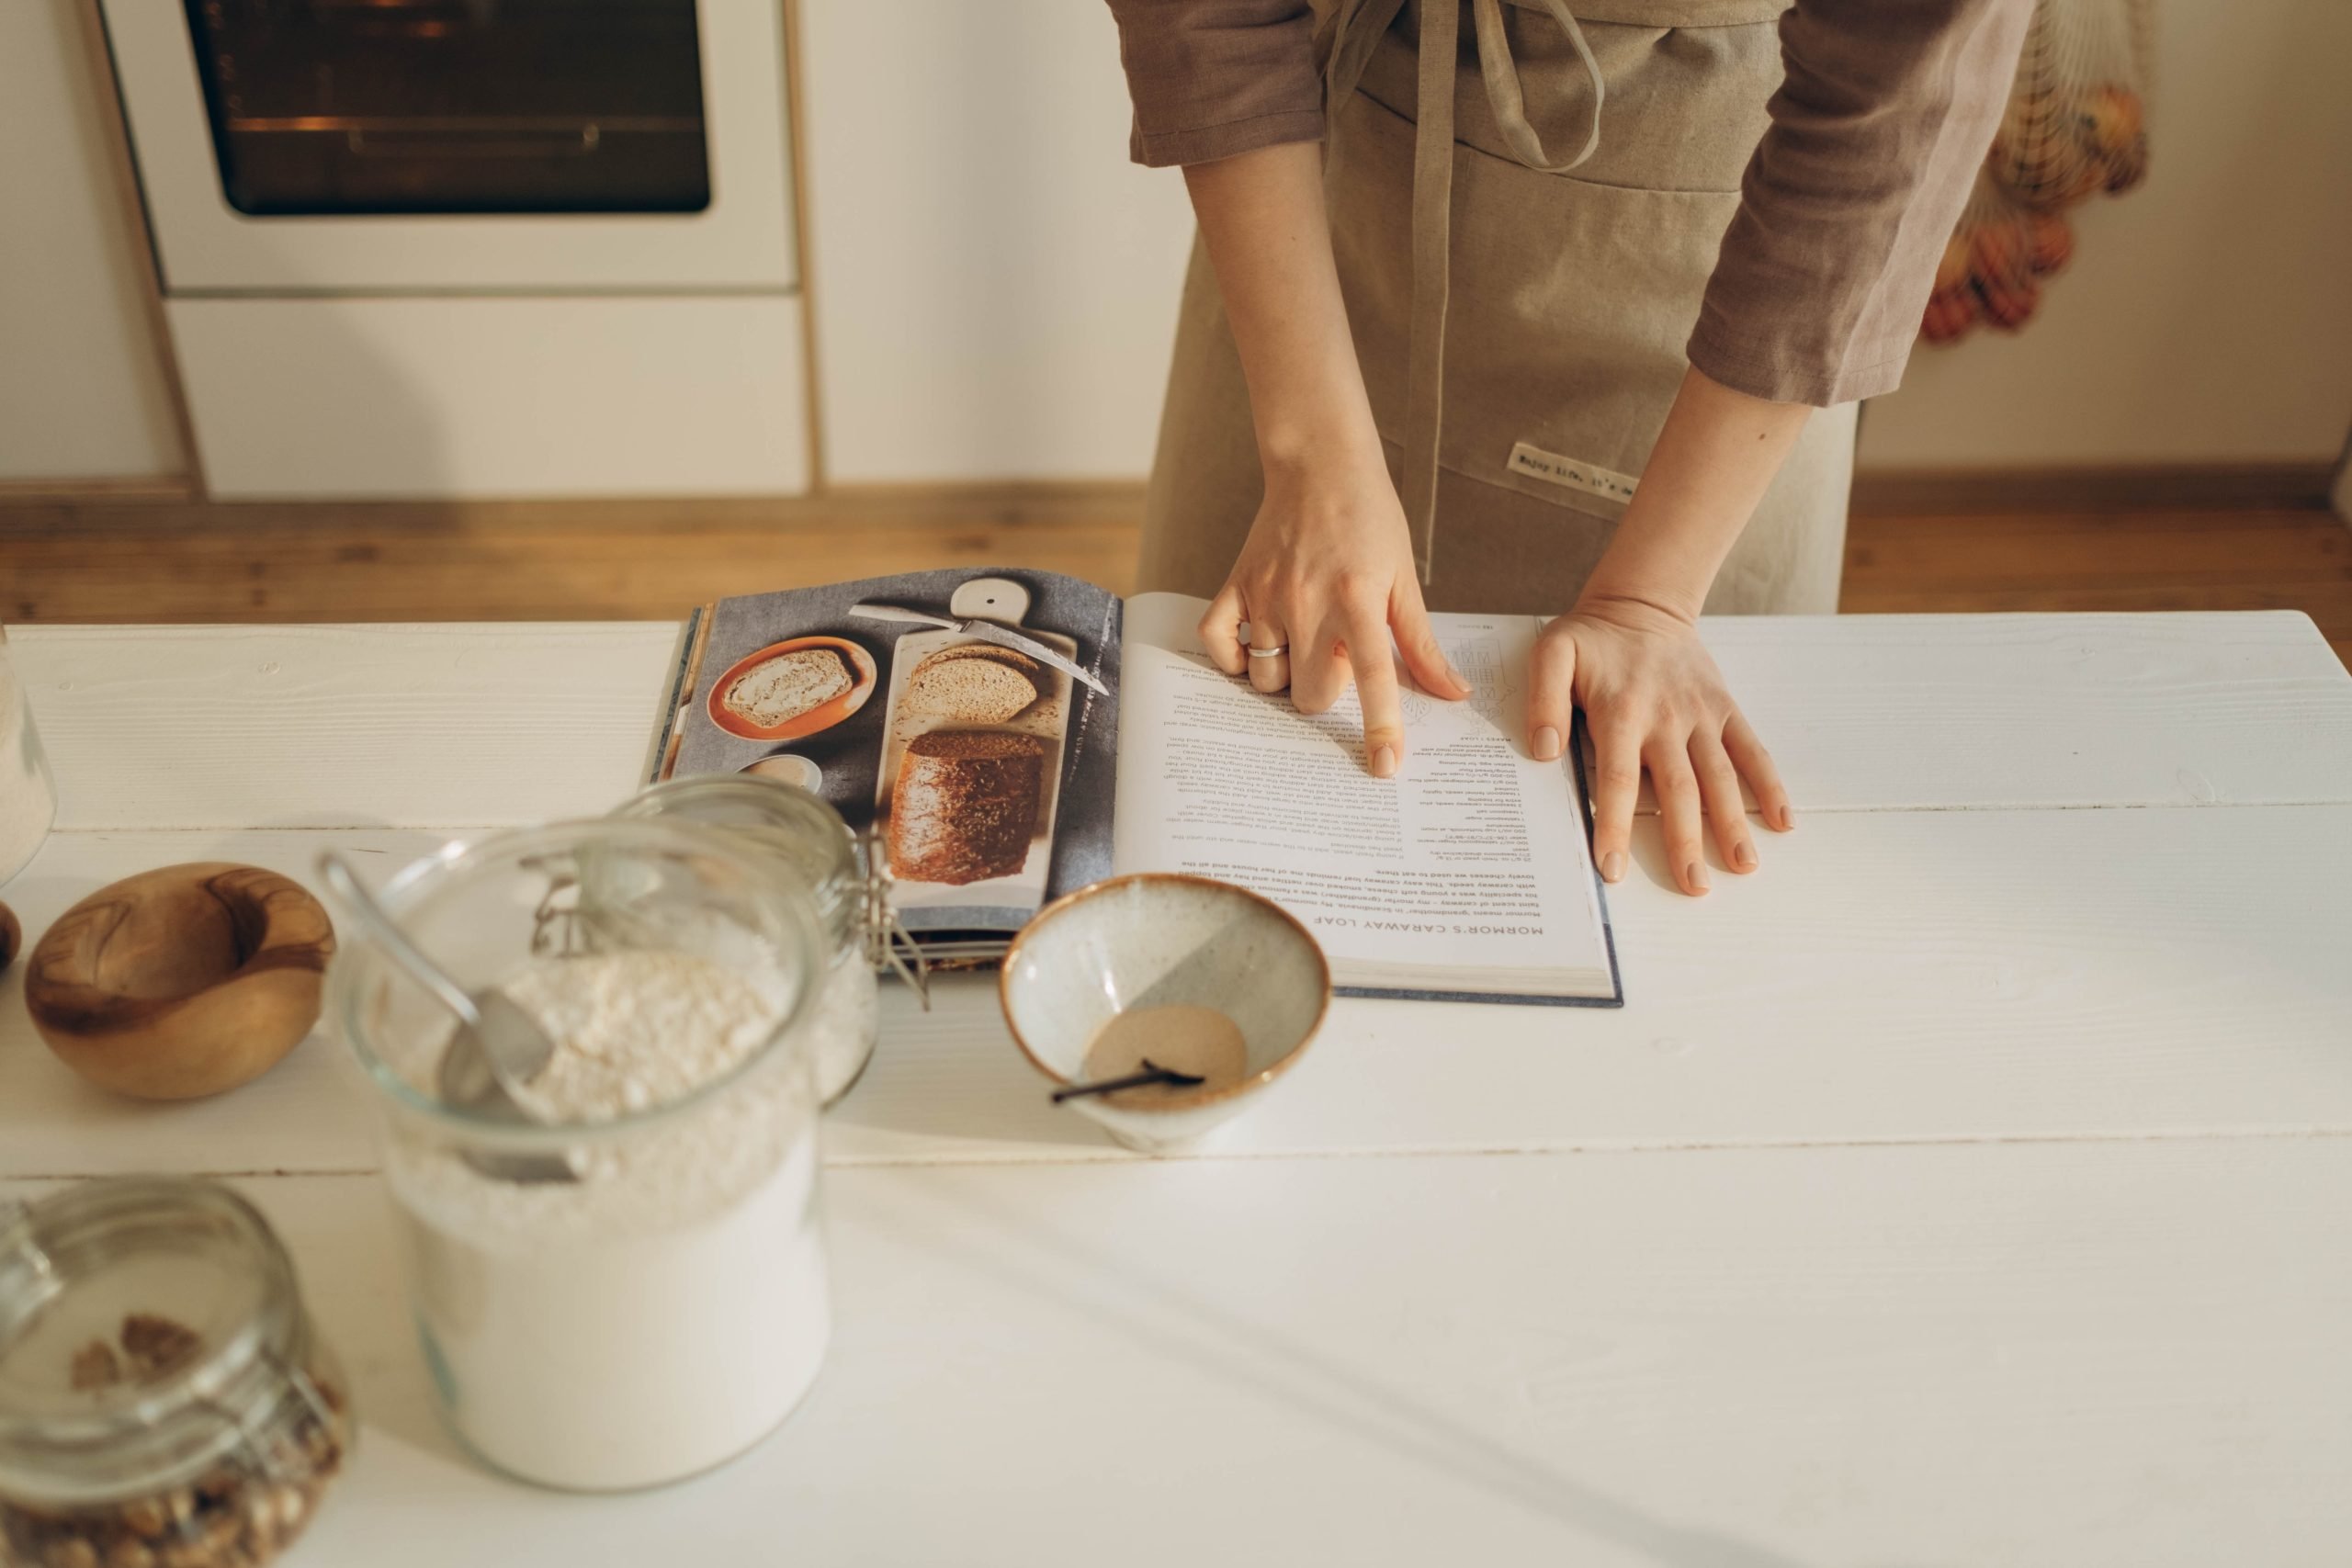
column 1965, row 1186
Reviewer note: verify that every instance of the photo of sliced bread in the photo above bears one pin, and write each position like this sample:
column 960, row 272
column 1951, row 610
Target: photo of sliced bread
column 781, row 688
column 973, row 682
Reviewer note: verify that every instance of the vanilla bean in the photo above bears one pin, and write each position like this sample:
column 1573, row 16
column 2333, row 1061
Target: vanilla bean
column 1153, row 1073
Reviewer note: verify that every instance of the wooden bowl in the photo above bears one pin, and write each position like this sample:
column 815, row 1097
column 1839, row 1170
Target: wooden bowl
column 182, row 982
column 824, row 715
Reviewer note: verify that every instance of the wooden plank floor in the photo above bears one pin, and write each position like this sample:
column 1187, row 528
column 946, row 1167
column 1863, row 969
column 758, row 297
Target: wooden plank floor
column 177, row 562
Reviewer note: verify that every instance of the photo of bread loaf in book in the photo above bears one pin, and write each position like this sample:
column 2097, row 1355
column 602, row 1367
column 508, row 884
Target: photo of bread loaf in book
column 978, row 714
column 782, row 688
column 971, row 683
column 964, row 805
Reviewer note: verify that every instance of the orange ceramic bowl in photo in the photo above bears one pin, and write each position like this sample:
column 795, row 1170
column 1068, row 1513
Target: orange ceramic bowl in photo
column 792, row 688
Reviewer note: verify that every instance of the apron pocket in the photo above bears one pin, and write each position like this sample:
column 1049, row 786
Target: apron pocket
column 1570, row 306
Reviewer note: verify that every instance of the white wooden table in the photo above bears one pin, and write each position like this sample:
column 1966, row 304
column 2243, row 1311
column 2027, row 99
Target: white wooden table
column 1971, row 1186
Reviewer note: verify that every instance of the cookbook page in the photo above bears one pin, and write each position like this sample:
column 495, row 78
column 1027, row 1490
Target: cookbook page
column 1468, row 875
column 934, row 707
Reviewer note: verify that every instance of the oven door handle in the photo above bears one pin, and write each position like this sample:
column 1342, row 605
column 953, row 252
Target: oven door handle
column 420, row 143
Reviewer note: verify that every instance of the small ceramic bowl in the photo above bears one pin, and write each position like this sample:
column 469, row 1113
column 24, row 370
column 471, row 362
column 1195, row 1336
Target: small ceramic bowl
column 1160, row 940
column 786, row 768
column 824, row 715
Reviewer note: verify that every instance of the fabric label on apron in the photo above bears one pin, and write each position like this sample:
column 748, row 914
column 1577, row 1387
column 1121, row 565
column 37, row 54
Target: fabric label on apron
column 1573, row 473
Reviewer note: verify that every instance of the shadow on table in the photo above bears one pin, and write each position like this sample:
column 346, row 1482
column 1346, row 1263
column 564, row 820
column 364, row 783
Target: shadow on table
column 1180, row 1325
column 953, row 1075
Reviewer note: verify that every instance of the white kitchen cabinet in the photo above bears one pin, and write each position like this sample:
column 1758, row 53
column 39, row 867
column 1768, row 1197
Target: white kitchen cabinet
column 436, row 396
column 83, row 394
column 995, row 284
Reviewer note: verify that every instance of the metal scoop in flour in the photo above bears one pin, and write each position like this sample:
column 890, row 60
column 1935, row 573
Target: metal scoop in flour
column 498, row 1046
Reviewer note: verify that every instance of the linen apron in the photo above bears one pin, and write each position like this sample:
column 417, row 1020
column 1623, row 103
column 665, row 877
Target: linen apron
column 1525, row 212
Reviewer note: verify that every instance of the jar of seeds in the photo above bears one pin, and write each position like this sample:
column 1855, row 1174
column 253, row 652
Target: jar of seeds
column 164, row 1402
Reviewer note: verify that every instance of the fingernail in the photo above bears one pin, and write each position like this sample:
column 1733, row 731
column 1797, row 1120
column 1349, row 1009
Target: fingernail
column 1547, row 744
column 1383, row 763
column 1694, row 876
column 1788, row 817
column 1455, row 676
column 1613, row 866
column 1743, row 856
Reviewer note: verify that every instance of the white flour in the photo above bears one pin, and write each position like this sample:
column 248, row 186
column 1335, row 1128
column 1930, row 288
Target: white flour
column 28, row 801
column 842, row 1024
column 634, row 1030
column 662, row 1313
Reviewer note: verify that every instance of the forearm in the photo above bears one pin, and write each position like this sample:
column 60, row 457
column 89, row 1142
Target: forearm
column 1261, row 215
column 1712, row 462
column 1325, row 580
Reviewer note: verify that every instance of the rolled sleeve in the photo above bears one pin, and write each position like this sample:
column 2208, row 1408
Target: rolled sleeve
column 1877, row 132
column 1214, row 78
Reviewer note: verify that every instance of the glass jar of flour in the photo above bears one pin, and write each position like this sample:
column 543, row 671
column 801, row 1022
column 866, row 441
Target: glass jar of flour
column 616, row 1272
column 800, row 830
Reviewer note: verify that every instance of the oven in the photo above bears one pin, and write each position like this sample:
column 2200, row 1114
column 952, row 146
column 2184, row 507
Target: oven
column 443, row 248
column 374, row 146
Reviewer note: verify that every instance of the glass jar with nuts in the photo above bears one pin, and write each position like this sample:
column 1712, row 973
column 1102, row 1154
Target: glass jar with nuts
column 164, row 1402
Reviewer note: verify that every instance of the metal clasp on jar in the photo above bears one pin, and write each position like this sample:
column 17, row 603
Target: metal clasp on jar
column 889, row 943
column 556, row 930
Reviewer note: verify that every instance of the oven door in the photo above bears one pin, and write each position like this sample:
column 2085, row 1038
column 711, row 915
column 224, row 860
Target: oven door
column 387, row 146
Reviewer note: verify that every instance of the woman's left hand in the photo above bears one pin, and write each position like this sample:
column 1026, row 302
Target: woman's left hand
column 1652, row 699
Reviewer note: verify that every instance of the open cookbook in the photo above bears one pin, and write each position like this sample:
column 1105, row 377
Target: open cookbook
column 1012, row 736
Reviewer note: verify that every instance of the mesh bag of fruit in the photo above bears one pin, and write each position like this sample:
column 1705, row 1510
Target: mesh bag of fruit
column 2076, row 126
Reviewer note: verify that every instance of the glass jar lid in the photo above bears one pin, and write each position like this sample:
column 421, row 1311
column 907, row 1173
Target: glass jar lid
column 787, row 820
column 147, row 1323
column 537, row 897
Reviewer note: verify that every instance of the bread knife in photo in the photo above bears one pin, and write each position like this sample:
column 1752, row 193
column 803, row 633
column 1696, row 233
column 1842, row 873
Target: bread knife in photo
column 987, row 631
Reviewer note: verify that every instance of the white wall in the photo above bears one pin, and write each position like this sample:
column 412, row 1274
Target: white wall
column 81, row 391
column 995, row 284
column 2208, row 315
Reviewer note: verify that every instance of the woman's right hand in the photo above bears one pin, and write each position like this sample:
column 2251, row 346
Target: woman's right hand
column 1327, row 573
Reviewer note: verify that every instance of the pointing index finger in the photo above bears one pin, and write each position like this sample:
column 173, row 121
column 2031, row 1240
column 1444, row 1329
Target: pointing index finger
column 1384, row 713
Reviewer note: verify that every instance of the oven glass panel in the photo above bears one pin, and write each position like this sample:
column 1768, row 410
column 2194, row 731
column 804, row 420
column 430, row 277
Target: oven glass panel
column 325, row 107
